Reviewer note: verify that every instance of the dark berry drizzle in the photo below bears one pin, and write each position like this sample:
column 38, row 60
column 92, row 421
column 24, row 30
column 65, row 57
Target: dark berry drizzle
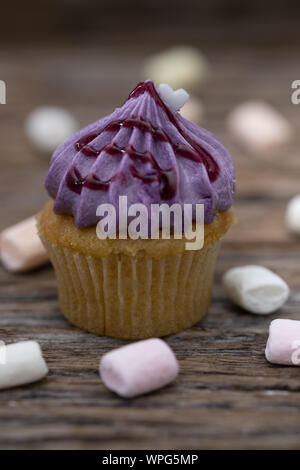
column 74, row 180
column 198, row 153
column 166, row 178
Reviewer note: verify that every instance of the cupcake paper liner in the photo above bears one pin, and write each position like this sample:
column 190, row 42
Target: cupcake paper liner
column 133, row 296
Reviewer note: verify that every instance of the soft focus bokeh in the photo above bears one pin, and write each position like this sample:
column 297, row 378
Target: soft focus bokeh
column 87, row 55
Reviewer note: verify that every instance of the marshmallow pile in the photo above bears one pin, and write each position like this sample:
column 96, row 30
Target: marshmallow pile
column 137, row 368
column 259, row 127
column 258, row 290
column 148, row 365
column 129, row 371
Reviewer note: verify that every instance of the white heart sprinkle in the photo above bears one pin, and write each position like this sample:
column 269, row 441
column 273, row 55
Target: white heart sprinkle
column 174, row 98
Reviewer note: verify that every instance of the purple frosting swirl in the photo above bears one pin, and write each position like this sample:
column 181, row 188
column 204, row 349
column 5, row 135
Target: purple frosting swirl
column 146, row 151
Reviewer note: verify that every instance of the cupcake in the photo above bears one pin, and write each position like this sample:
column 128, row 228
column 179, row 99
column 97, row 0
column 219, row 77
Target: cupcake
column 135, row 287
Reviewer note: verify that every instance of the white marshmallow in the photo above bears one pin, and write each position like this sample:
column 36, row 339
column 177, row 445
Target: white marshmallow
column 255, row 288
column 49, row 126
column 258, row 126
column 180, row 66
column 174, row 98
column 139, row 367
column 20, row 247
column 283, row 345
column 193, row 110
column 292, row 215
column 21, row 363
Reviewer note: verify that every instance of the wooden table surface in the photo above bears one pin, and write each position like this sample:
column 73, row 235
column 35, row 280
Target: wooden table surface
column 227, row 395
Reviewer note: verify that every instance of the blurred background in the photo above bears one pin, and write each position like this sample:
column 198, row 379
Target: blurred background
column 85, row 56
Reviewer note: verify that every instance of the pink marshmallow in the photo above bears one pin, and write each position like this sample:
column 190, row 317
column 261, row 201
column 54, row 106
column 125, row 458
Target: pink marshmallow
column 20, row 247
column 259, row 126
column 139, row 368
column 283, row 345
